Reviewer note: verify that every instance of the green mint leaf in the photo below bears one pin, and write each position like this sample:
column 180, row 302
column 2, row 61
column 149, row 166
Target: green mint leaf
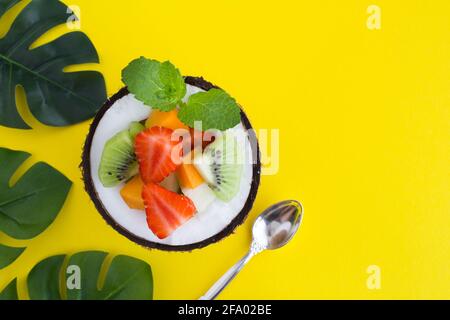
column 158, row 85
column 214, row 108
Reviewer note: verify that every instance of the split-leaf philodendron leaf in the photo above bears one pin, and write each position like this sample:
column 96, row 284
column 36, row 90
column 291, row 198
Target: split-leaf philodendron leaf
column 126, row 278
column 55, row 97
column 8, row 255
column 29, row 206
column 10, row 291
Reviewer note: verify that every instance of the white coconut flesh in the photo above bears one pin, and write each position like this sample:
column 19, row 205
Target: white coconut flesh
column 205, row 224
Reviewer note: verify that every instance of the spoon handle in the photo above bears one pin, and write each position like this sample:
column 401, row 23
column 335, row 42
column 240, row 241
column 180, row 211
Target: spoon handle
column 218, row 287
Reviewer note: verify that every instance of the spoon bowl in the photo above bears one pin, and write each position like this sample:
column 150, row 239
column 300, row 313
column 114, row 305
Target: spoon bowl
column 278, row 224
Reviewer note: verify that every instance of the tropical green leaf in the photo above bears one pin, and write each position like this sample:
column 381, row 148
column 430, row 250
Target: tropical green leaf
column 5, row 5
column 8, row 255
column 10, row 291
column 29, row 206
column 55, row 97
column 43, row 279
column 127, row 278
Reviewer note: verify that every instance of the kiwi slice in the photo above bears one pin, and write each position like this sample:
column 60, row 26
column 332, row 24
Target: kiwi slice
column 136, row 128
column 221, row 166
column 118, row 162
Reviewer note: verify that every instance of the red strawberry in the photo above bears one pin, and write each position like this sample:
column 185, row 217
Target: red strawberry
column 166, row 210
column 203, row 138
column 157, row 154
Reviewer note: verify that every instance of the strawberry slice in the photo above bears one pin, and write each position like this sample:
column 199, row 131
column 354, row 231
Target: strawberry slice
column 202, row 139
column 166, row 210
column 157, row 154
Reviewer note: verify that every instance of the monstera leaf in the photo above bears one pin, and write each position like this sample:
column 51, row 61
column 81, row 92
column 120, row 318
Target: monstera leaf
column 10, row 292
column 8, row 255
column 126, row 278
column 54, row 97
column 29, row 206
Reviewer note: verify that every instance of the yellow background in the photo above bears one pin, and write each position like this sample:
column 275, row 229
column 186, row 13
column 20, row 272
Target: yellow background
column 365, row 128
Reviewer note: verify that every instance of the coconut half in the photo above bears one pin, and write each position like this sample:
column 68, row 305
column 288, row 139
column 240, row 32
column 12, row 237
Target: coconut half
column 211, row 225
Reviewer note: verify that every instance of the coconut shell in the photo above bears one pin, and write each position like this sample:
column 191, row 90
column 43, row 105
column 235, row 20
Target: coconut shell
column 89, row 185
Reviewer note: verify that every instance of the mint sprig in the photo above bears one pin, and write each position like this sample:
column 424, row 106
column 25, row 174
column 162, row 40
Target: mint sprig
column 214, row 108
column 159, row 85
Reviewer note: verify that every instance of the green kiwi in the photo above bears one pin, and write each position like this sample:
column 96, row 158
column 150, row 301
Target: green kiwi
column 118, row 162
column 136, row 128
column 221, row 166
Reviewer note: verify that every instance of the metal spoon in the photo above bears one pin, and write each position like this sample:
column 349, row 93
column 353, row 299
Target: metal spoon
column 273, row 229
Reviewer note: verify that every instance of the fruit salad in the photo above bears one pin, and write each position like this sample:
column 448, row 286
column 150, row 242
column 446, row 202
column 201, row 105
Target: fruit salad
column 171, row 165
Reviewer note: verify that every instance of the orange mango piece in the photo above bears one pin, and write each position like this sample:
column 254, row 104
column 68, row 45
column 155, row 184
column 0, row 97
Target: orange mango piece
column 165, row 119
column 132, row 193
column 188, row 176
